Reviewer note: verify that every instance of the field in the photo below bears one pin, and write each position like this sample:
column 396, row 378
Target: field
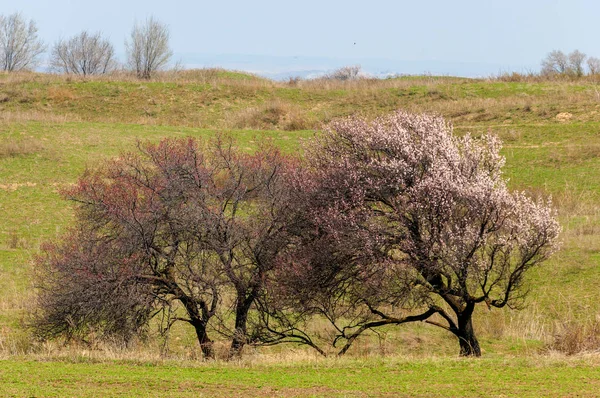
column 445, row 377
column 53, row 128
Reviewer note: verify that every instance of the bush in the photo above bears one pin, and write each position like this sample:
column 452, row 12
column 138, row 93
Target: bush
column 346, row 73
column 575, row 337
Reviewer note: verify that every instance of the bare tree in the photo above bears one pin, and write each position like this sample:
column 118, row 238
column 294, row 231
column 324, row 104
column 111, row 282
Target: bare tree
column 20, row 46
column 345, row 73
column 83, row 54
column 130, row 256
column 556, row 62
column 593, row 65
column 148, row 48
column 576, row 60
column 185, row 231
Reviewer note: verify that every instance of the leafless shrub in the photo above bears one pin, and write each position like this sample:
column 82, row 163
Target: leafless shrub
column 20, row 46
column 83, row 54
column 593, row 65
column 148, row 48
column 576, row 60
column 345, row 73
column 517, row 77
column 294, row 80
column 576, row 337
column 556, row 62
column 559, row 63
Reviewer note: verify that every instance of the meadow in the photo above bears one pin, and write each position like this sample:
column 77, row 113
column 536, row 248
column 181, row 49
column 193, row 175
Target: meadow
column 52, row 128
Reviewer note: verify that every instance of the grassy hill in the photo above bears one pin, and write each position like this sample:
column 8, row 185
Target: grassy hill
column 52, row 128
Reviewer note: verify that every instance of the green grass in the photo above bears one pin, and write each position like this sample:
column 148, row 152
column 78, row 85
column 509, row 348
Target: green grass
column 212, row 104
column 29, row 183
column 495, row 377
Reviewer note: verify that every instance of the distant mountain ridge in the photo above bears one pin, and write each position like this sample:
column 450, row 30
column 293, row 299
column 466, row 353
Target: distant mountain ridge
column 284, row 67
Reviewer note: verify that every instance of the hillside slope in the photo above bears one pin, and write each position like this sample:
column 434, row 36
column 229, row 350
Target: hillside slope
column 52, row 128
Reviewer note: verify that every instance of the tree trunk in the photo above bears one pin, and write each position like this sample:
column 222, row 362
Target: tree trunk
column 241, row 319
column 469, row 346
column 239, row 337
column 199, row 321
column 206, row 344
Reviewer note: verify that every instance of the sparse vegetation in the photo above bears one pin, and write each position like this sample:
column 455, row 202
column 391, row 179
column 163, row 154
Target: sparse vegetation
column 20, row 46
column 11, row 147
column 574, row 337
column 84, row 54
column 345, row 73
column 557, row 63
column 275, row 114
column 148, row 48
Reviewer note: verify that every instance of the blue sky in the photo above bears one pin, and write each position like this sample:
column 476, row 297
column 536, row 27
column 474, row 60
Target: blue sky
column 504, row 34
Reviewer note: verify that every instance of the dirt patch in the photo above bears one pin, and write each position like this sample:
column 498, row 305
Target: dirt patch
column 11, row 187
column 564, row 116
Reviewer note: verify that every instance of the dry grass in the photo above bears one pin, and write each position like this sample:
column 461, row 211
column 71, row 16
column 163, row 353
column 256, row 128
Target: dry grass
column 273, row 115
column 365, row 84
column 22, row 116
column 61, row 94
column 573, row 154
column 214, row 98
column 529, row 324
column 575, row 337
column 11, row 147
column 203, row 76
column 534, row 77
column 16, row 240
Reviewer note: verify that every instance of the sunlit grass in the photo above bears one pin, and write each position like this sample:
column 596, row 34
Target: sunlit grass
column 425, row 377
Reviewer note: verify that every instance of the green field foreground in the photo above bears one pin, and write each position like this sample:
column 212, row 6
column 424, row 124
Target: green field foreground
column 431, row 377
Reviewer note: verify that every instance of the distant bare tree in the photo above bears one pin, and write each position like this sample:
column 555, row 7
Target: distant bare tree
column 148, row 48
column 20, row 46
column 345, row 73
column 576, row 60
column 593, row 64
column 83, row 54
column 556, row 62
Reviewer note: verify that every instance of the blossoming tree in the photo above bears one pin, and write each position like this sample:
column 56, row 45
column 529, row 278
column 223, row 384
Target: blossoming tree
column 434, row 229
